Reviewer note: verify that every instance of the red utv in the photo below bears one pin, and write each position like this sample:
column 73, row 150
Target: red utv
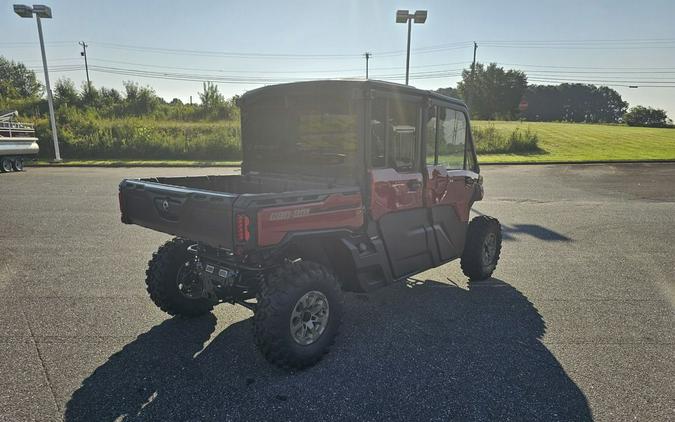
column 345, row 186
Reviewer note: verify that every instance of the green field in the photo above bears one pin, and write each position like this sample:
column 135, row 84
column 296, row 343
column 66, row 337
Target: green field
column 578, row 142
column 558, row 142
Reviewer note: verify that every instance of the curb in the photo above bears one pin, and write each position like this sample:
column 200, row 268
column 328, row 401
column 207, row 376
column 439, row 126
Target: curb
column 488, row 163
column 543, row 163
column 130, row 165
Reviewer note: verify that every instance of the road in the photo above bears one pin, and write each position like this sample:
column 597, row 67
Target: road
column 576, row 325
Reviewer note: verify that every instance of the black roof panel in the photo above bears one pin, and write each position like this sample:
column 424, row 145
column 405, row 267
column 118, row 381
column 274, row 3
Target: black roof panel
column 346, row 84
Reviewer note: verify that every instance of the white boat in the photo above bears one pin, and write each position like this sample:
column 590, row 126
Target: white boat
column 17, row 142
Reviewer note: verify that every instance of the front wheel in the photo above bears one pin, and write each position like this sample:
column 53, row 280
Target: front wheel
column 172, row 282
column 298, row 314
column 482, row 248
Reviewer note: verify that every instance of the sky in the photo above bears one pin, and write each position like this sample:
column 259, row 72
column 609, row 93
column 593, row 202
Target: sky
column 246, row 44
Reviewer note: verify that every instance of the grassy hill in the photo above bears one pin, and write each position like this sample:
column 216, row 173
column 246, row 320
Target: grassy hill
column 588, row 142
column 142, row 141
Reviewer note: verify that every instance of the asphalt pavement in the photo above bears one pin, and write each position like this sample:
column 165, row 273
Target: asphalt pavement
column 577, row 323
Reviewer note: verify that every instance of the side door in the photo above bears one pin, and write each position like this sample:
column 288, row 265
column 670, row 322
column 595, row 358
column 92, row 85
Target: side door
column 397, row 182
column 452, row 177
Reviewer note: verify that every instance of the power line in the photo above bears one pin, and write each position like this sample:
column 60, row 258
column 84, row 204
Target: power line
column 584, row 67
column 633, row 85
column 221, row 53
column 264, row 55
column 245, row 80
column 575, row 46
column 632, row 81
column 641, row 72
column 523, row 66
column 444, row 73
column 296, row 71
column 607, row 44
column 606, row 40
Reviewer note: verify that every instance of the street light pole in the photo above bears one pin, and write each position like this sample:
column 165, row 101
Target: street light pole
column 402, row 16
column 407, row 56
column 50, row 100
column 39, row 11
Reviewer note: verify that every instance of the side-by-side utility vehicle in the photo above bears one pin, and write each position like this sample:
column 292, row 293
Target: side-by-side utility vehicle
column 345, row 186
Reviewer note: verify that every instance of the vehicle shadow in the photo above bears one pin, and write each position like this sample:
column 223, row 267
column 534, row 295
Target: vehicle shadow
column 511, row 232
column 534, row 230
column 416, row 351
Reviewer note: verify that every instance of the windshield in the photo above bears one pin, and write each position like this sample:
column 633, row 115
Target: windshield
column 305, row 134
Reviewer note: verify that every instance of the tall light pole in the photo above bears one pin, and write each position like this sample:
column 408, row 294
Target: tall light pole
column 42, row 11
column 403, row 16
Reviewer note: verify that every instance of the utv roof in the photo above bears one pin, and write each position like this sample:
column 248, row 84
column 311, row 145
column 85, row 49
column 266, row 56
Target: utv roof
column 346, row 84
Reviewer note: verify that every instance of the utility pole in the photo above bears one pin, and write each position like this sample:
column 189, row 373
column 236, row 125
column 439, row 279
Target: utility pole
column 473, row 74
column 473, row 64
column 86, row 65
column 367, row 55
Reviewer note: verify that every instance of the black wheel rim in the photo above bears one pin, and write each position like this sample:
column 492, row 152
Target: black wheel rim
column 188, row 282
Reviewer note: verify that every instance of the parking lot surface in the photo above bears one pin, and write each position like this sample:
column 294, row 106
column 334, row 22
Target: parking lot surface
column 577, row 323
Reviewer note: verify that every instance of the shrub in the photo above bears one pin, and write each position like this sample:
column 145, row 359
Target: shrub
column 647, row 117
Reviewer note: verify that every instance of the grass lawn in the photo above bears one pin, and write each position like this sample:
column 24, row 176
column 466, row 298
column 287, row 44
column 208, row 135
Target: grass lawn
column 559, row 142
column 580, row 142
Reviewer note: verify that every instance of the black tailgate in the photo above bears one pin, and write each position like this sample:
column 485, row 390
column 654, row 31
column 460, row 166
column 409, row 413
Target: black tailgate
column 194, row 214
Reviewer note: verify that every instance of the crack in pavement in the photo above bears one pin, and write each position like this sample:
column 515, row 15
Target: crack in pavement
column 42, row 364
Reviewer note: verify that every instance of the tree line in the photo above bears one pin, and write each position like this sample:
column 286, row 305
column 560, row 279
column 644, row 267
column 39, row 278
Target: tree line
column 490, row 91
column 493, row 93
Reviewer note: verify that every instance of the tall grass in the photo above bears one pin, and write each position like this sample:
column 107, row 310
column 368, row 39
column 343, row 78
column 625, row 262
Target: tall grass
column 490, row 140
column 142, row 138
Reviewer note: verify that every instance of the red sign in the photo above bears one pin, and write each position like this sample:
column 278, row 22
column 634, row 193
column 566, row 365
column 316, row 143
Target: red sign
column 523, row 105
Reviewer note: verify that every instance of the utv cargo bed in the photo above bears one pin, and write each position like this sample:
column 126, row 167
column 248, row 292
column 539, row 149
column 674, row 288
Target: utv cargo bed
column 203, row 208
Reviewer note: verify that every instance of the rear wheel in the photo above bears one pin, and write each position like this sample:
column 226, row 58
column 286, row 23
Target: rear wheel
column 18, row 164
column 482, row 248
column 298, row 314
column 172, row 282
column 5, row 165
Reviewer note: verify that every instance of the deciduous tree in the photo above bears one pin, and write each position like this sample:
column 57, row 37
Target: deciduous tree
column 17, row 81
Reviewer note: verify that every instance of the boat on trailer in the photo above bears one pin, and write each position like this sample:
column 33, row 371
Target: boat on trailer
column 17, row 142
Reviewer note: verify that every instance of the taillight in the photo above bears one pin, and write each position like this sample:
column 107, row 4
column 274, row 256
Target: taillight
column 243, row 231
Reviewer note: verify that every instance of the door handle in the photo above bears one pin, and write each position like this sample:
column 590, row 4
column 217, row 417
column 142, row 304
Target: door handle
column 414, row 184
